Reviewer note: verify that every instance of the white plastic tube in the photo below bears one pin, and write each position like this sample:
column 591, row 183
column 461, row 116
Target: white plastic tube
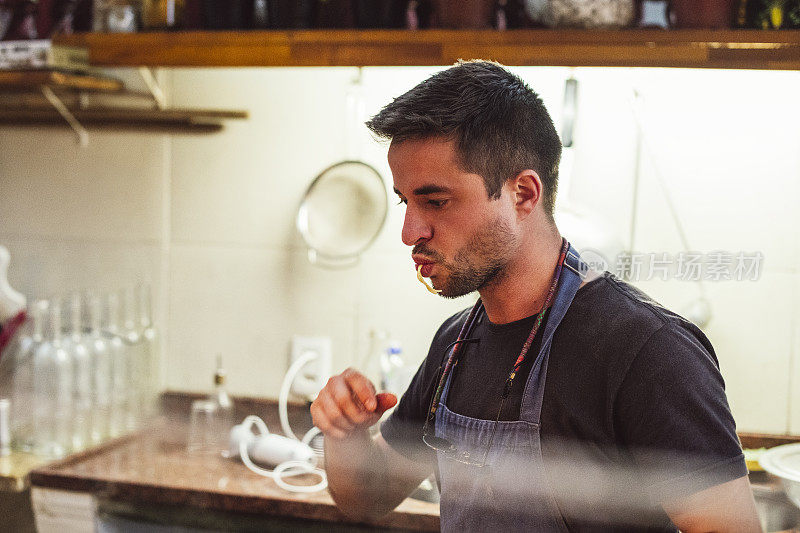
column 283, row 397
column 287, row 468
column 283, row 470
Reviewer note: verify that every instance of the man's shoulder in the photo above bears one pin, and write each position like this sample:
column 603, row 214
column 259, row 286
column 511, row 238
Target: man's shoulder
column 614, row 320
column 611, row 304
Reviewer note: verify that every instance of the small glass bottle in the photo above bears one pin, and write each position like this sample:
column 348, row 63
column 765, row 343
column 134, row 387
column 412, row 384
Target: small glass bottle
column 223, row 406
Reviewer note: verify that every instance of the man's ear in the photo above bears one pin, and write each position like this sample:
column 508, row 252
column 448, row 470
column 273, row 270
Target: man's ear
column 526, row 192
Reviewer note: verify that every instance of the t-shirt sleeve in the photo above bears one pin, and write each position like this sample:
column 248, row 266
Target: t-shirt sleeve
column 403, row 429
column 673, row 416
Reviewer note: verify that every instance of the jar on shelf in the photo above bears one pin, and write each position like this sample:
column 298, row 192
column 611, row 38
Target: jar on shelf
column 706, row 14
column 162, row 14
column 116, row 16
column 464, row 14
column 589, row 14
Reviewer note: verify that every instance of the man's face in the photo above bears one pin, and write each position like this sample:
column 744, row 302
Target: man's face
column 462, row 239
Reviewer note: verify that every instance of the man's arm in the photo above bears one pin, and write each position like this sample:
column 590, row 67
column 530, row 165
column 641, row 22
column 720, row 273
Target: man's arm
column 366, row 477
column 728, row 507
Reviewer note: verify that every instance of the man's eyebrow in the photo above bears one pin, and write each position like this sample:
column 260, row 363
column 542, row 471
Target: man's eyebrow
column 427, row 189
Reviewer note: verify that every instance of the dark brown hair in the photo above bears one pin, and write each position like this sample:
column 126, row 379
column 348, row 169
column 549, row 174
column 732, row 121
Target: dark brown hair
column 499, row 124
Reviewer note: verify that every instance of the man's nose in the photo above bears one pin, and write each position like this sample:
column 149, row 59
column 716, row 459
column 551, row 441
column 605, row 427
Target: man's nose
column 414, row 228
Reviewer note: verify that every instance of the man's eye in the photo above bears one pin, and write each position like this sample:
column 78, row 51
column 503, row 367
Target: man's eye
column 437, row 203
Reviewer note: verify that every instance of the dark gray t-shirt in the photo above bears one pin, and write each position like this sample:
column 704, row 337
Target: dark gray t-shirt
column 634, row 408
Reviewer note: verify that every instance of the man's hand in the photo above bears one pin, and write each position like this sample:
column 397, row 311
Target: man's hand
column 348, row 404
column 366, row 477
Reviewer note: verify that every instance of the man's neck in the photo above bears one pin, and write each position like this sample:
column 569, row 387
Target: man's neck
column 522, row 289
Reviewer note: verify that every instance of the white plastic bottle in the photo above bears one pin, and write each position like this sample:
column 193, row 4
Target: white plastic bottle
column 396, row 375
column 52, row 389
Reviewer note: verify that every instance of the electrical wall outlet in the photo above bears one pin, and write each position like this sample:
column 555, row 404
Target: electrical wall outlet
column 314, row 375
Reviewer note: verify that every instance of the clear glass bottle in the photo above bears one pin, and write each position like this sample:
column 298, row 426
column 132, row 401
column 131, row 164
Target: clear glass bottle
column 120, row 372
column 370, row 365
column 52, row 389
column 101, row 350
column 22, row 415
column 136, row 349
column 149, row 336
column 82, row 373
column 223, row 405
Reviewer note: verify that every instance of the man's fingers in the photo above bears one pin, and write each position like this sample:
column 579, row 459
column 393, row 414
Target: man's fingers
column 386, row 400
column 348, row 402
column 361, row 387
column 331, row 408
column 349, row 406
column 322, row 421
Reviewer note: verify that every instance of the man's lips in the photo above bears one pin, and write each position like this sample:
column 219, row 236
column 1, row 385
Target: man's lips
column 427, row 265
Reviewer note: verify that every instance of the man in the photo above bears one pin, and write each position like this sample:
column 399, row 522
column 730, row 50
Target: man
column 568, row 402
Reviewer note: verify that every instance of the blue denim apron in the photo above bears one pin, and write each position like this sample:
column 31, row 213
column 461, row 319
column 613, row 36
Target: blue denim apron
column 510, row 492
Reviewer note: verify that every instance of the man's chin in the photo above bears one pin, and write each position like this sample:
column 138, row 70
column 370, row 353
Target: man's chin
column 447, row 290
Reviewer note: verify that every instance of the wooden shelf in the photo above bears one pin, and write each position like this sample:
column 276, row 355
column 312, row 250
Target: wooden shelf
column 28, row 98
column 749, row 49
column 175, row 120
column 26, row 80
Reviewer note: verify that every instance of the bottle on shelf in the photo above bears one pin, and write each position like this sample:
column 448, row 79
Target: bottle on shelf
column 162, row 14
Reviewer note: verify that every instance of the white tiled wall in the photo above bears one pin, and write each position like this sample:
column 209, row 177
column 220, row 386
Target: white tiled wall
column 210, row 219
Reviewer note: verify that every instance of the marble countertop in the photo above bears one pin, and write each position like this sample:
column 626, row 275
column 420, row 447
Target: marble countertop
column 154, row 466
column 14, row 469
